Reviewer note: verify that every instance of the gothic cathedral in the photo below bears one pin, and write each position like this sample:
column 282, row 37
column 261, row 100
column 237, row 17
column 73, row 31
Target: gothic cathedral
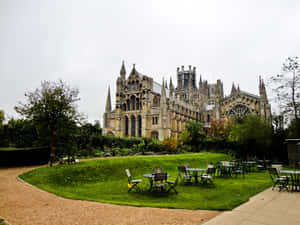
column 144, row 108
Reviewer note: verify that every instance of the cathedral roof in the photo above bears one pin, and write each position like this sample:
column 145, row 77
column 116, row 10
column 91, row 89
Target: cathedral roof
column 157, row 89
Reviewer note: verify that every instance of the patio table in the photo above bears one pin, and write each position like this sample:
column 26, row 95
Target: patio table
column 295, row 178
column 195, row 172
column 225, row 169
column 151, row 176
column 251, row 165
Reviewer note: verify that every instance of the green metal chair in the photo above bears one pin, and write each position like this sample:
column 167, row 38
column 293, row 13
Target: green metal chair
column 208, row 176
column 185, row 176
column 173, row 184
column 160, row 181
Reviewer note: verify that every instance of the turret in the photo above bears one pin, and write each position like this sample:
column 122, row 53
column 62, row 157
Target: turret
column 233, row 90
column 262, row 90
column 200, row 81
column 123, row 71
column 108, row 102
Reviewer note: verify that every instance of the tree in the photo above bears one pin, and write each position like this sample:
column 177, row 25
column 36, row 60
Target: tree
column 192, row 135
column 21, row 133
column 220, row 128
column 253, row 134
column 1, row 117
column 287, row 87
column 53, row 110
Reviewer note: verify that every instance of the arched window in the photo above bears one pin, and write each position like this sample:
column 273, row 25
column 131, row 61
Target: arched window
column 137, row 104
column 139, row 126
column 133, row 124
column 132, row 102
column 126, row 126
column 239, row 110
column 154, row 134
column 124, row 107
column 128, row 104
column 155, row 101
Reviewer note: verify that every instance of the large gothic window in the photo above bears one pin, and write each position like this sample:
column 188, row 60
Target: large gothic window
column 132, row 102
column 140, row 126
column 126, row 126
column 128, row 105
column 239, row 110
column 137, row 104
column 133, row 124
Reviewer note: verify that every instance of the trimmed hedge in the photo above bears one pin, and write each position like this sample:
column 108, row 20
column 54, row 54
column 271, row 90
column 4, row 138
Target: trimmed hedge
column 24, row 156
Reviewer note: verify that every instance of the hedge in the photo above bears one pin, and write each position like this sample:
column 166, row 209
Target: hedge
column 24, row 156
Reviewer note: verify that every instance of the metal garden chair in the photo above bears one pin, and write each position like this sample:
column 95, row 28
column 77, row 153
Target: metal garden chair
column 208, row 176
column 173, row 184
column 278, row 181
column 186, row 176
column 132, row 184
column 160, row 181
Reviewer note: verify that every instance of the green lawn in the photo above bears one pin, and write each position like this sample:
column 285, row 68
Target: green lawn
column 105, row 181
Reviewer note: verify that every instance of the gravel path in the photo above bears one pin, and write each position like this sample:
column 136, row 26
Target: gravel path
column 22, row 204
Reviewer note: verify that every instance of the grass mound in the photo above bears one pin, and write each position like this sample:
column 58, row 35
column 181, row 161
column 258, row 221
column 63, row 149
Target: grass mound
column 105, row 181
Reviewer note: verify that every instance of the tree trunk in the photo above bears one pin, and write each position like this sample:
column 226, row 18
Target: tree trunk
column 53, row 148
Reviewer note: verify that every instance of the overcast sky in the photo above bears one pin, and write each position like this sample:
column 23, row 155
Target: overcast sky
column 84, row 43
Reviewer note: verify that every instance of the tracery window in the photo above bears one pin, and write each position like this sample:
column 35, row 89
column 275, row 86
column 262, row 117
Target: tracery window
column 239, row 110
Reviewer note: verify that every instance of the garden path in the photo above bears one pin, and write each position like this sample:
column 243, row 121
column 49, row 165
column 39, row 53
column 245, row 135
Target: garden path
column 23, row 204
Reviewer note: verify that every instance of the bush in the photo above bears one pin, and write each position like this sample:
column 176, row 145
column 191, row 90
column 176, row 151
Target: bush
column 24, row 156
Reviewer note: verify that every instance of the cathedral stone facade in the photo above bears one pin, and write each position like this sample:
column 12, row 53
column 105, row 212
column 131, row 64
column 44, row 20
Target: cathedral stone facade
column 145, row 108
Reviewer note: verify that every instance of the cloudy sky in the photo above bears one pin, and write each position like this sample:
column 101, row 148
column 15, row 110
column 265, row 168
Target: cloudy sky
column 84, row 43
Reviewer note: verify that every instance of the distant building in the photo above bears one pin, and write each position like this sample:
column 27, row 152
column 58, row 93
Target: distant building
column 145, row 108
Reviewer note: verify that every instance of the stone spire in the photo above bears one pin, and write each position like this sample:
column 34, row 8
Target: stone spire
column 233, row 90
column 163, row 93
column 108, row 102
column 123, row 71
column 262, row 89
column 171, row 87
column 200, row 81
column 238, row 88
column 133, row 71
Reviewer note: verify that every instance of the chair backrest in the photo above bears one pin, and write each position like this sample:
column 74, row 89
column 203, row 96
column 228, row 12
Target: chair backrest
column 157, row 170
column 211, row 170
column 277, row 166
column 128, row 173
column 176, row 181
column 273, row 171
column 181, row 169
column 160, row 177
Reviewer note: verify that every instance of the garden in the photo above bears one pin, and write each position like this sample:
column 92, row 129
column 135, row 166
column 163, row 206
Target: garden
column 105, row 180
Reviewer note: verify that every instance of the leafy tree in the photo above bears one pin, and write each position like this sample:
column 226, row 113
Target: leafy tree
column 293, row 130
column 253, row 134
column 21, row 133
column 287, row 87
column 1, row 117
column 169, row 144
column 53, row 110
column 192, row 135
column 220, row 128
column 2, row 133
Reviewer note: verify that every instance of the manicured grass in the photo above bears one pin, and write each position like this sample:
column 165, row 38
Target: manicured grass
column 105, row 181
